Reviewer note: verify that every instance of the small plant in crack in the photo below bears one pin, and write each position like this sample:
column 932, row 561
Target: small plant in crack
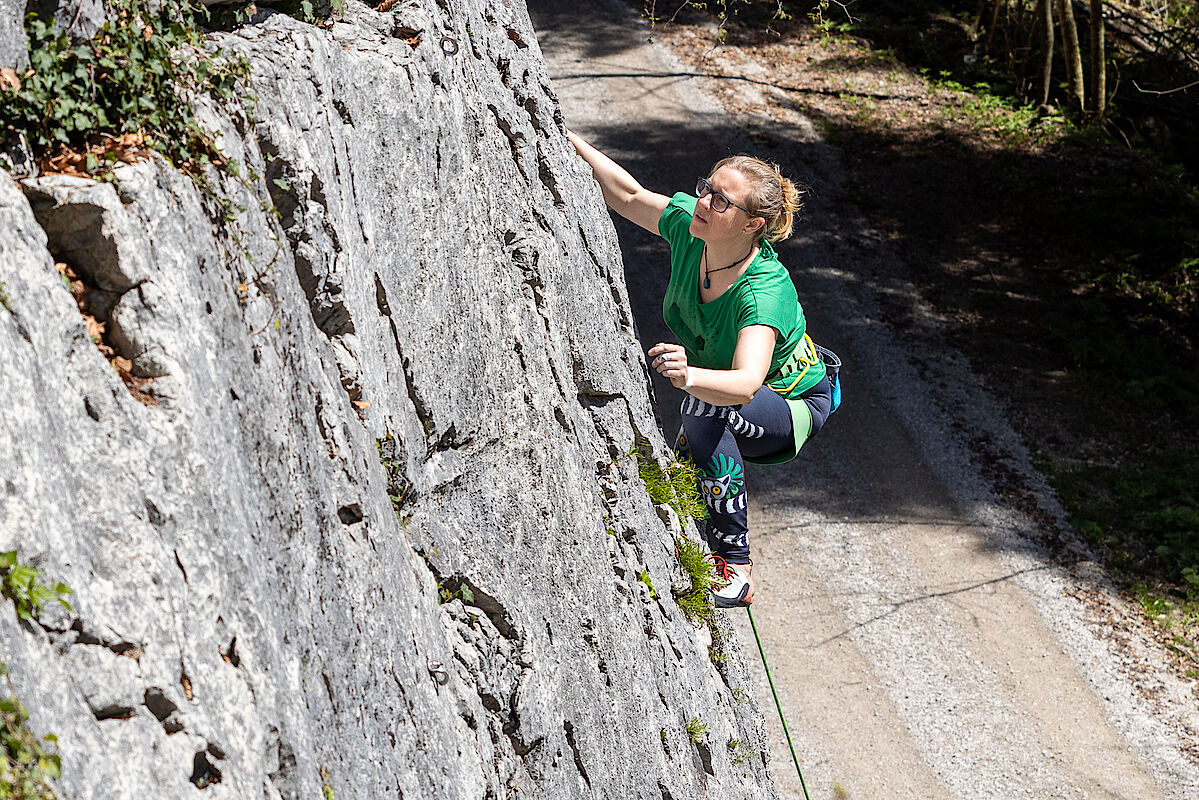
column 399, row 488
column 675, row 486
column 719, row 651
column 643, row 576
column 21, row 583
column 29, row 763
column 739, row 752
column 463, row 593
column 697, row 730
column 326, row 785
column 694, row 598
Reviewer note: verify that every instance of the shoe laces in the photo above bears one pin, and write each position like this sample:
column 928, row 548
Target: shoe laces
column 722, row 569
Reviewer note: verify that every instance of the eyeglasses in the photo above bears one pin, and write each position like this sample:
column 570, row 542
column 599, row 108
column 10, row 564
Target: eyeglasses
column 719, row 202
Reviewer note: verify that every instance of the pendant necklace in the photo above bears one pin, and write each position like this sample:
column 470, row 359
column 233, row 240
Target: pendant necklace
column 707, row 272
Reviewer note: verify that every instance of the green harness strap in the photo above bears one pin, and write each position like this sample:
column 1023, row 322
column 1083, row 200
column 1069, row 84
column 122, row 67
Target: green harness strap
column 777, row 704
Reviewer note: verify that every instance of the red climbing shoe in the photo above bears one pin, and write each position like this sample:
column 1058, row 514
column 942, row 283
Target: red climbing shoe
column 733, row 588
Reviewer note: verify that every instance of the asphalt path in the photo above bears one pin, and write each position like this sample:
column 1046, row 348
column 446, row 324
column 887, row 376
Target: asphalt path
column 925, row 641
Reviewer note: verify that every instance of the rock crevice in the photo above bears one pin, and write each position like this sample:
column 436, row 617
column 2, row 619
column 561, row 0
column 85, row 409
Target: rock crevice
column 364, row 543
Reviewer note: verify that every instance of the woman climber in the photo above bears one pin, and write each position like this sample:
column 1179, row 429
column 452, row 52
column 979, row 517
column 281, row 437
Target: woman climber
column 756, row 387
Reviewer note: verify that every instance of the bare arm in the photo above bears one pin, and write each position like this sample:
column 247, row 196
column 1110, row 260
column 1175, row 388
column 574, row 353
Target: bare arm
column 722, row 387
column 621, row 190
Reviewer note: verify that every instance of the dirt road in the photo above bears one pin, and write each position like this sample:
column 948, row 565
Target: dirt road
column 926, row 640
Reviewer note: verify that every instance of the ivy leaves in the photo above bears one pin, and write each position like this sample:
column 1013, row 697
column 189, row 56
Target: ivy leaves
column 134, row 76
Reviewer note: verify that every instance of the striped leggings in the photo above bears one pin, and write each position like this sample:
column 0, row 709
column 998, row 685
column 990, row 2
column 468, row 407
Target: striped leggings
column 717, row 437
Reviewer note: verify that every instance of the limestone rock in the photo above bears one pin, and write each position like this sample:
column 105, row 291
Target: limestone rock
column 360, row 514
column 14, row 47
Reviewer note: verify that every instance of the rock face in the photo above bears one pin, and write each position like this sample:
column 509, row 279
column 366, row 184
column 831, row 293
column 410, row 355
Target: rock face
column 344, row 486
column 13, row 45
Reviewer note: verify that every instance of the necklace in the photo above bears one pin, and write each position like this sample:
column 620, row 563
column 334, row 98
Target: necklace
column 707, row 272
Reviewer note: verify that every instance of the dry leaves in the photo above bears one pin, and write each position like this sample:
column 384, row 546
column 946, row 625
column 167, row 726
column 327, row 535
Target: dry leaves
column 9, row 79
column 127, row 148
column 97, row 330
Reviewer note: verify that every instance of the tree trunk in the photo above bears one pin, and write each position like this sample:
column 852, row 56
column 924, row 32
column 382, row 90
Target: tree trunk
column 1045, row 14
column 1072, row 52
column 1098, row 87
column 991, row 25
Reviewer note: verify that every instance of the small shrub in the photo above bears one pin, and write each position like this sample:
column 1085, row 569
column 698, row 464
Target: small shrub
column 29, row 763
column 21, row 584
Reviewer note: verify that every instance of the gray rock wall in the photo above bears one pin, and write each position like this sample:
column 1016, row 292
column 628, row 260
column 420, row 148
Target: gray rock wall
column 418, row 380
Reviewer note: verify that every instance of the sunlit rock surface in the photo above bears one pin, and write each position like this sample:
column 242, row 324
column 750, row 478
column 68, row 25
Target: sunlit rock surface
column 336, row 453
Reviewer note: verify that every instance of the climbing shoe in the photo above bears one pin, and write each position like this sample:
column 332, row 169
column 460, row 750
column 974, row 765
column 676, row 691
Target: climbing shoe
column 732, row 586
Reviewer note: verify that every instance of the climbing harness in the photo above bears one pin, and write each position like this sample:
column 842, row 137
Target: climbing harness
column 777, row 704
column 807, row 355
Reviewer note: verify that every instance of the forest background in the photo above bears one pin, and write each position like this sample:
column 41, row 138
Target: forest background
column 1036, row 163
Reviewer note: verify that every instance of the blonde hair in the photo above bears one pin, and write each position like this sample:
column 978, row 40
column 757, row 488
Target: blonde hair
column 771, row 196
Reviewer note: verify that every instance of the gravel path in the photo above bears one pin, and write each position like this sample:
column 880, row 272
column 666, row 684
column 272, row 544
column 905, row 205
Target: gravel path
column 929, row 638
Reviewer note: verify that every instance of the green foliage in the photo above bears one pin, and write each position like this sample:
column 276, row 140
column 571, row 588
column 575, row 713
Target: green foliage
column 135, row 76
column 314, row 13
column 985, row 109
column 643, row 576
column 697, row 730
column 695, row 599
column 326, row 786
column 399, row 488
column 462, row 593
column 677, row 486
column 29, row 763
column 21, row 584
column 1155, row 606
column 5, row 300
column 739, row 751
column 1148, row 512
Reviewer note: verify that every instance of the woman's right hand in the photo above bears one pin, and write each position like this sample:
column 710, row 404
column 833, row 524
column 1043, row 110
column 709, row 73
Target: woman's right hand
column 621, row 190
column 670, row 360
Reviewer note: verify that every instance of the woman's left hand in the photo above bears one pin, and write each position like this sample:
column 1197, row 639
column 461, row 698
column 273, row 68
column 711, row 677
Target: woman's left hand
column 670, row 360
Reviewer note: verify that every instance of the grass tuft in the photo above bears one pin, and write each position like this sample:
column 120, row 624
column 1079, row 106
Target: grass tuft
column 697, row 731
column 695, row 599
column 675, row 486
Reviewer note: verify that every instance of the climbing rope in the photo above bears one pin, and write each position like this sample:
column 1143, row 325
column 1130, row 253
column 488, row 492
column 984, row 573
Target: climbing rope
column 777, row 704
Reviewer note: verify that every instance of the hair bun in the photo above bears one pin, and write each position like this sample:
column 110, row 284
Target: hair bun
column 773, row 197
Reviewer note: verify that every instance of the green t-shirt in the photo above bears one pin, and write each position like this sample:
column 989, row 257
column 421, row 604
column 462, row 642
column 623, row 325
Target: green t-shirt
column 764, row 295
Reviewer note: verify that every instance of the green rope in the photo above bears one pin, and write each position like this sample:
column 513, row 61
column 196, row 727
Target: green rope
column 777, row 704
